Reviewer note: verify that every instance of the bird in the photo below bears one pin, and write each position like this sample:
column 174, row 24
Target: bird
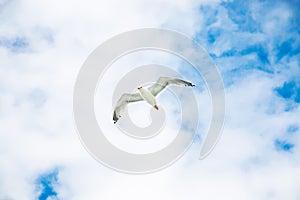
column 146, row 94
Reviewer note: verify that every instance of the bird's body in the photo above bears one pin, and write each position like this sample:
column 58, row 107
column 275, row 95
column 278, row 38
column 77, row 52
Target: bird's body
column 147, row 94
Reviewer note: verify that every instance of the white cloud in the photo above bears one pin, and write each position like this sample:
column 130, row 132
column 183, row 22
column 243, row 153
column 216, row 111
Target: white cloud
column 61, row 35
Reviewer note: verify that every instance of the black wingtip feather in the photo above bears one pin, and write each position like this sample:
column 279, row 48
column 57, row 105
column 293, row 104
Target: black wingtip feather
column 190, row 84
column 115, row 118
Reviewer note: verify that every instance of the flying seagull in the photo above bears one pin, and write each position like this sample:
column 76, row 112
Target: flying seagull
column 147, row 94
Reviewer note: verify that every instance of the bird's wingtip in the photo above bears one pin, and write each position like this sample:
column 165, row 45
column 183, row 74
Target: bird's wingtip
column 115, row 118
column 191, row 84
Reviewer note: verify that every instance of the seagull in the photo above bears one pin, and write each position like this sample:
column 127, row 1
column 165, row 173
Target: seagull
column 146, row 94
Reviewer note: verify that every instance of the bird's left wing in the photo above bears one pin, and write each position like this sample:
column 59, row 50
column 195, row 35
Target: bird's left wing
column 163, row 82
column 122, row 102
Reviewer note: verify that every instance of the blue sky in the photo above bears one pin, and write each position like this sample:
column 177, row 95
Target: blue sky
column 45, row 185
column 255, row 45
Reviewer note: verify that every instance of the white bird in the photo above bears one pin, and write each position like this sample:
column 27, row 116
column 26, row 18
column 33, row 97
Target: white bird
column 147, row 94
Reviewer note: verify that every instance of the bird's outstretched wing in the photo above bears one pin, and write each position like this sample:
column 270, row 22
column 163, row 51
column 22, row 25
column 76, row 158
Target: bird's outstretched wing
column 163, row 82
column 123, row 101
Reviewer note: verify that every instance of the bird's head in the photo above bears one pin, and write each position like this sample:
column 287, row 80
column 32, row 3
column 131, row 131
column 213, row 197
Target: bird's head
column 139, row 87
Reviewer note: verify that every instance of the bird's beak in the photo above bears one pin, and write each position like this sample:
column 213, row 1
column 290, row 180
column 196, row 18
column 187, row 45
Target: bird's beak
column 139, row 88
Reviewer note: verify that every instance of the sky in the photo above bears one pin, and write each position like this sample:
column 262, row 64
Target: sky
column 254, row 44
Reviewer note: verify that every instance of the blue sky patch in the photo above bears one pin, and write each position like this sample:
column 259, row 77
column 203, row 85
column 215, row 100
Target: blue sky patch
column 45, row 185
column 16, row 44
column 240, row 14
column 261, row 52
column 210, row 14
column 292, row 128
column 289, row 90
column 282, row 145
column 213, row 34
column 249, row 46
column 284, row 49
column 297, row 96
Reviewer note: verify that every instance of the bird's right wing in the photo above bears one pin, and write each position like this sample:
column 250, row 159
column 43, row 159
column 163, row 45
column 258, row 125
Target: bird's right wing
column 123, row 101
column 163, row 82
